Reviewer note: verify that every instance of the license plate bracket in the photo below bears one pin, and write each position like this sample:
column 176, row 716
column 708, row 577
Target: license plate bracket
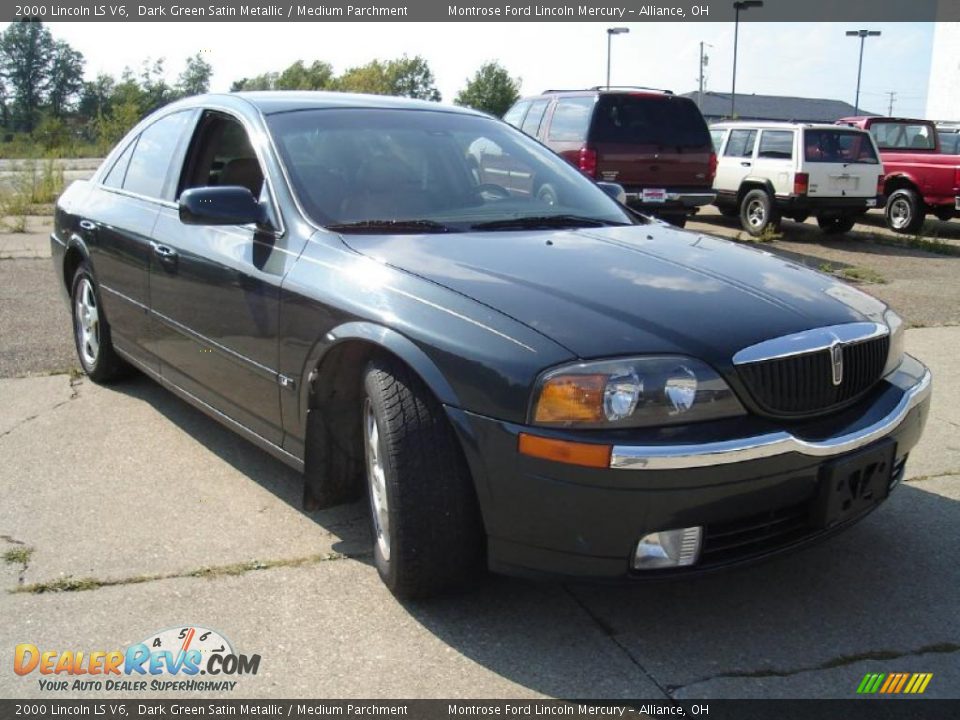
column 854, row 483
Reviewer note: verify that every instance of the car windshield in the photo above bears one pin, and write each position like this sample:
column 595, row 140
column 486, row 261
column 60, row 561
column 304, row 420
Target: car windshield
column 839, row 146
column 417, row 171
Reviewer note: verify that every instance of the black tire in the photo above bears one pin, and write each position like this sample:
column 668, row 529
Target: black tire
column 678, row 221
column 757, row 213
column 434, row 535
column 836, row 225
column 729, row 211
column 904, row 212
column 100, row 363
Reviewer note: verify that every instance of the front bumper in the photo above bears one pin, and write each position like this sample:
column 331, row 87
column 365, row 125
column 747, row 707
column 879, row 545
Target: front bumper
column 750, row 485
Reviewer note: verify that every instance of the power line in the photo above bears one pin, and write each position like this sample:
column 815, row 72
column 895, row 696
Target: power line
column 893, row 96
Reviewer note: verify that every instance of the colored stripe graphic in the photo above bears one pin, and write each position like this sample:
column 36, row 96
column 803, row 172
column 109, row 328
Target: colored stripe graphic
column 894, row 683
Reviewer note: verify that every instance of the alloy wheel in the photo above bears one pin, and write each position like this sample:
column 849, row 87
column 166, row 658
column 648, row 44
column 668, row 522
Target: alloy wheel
column 376, row 479
column 87, row 321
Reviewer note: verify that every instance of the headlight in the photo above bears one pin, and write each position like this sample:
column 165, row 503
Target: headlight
column 635, row 392
column 895, row 353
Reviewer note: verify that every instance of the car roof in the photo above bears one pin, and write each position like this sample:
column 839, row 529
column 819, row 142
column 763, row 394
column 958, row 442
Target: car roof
column 776, row 125
column 277, row 101
column 603, row 90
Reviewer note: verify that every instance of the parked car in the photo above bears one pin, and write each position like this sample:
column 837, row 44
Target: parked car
column 652, row 142
column 767, row 171
column 920, row 179
column 556, row 387
column 949, row 136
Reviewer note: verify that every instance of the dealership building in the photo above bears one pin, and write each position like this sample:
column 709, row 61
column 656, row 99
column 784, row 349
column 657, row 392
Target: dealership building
column 943, row 92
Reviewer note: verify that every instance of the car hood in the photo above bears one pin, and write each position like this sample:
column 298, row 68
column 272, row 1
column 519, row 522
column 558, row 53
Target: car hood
column 626, row 290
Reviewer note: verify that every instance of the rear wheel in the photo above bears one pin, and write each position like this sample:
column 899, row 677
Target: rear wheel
column 904, row 211
column 428, row 536
column 91, row 332
column 757, row 213
column 836, row 225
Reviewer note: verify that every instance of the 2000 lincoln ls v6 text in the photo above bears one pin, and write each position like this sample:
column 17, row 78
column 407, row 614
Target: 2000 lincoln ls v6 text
column 424, row 305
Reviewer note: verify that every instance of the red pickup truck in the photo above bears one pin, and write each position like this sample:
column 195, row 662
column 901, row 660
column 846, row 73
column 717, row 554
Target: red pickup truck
column 920, row 179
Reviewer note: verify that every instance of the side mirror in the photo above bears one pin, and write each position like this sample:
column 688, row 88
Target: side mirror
column 227, row 205
column 614, row 190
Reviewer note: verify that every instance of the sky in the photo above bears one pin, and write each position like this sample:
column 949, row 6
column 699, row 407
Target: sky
column 803, row 59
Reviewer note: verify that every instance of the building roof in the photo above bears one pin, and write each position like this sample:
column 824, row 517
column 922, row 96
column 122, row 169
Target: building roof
column 775, row 107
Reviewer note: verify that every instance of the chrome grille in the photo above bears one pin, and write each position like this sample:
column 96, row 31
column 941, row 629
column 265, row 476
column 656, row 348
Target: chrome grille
column 802, row 384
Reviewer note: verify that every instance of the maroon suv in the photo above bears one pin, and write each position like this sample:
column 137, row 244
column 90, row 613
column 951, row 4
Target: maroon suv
column 652, row 142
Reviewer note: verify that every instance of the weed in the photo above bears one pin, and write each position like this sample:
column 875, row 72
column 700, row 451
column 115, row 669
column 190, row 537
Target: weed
column 18, row 555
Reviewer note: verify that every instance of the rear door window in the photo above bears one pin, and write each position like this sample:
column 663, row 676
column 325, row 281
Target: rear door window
column 950, row 143
column 838, row 146
column 514, row 115
column 571, row 119
column 150, row 163
column 115, row 177
column 776, row 145
column 902, row 136
column 717, row 137
column 740, row 143
column 664, row 120
column 531, row 123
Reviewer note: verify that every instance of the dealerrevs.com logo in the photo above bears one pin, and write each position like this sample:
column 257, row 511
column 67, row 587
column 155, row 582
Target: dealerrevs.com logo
column 190, row 658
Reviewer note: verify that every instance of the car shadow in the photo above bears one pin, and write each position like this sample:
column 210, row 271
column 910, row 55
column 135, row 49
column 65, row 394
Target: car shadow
column 349, row 522
column 881, row 590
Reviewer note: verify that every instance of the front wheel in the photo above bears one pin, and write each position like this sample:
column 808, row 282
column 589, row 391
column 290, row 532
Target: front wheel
column 836, row 225
column 428, row 535
column 904, row 213
column 91, row 332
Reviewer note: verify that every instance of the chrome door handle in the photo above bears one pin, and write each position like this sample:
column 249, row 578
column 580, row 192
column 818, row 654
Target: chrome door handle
column 87, row 225
column 164, row 252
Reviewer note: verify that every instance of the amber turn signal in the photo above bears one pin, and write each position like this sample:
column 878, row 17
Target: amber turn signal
column 571, row 399
column 572, row 453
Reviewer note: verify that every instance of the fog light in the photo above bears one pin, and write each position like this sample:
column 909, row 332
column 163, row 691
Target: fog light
column 668, row 548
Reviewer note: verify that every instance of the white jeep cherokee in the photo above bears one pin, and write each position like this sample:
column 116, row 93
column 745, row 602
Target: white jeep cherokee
column 767, row 171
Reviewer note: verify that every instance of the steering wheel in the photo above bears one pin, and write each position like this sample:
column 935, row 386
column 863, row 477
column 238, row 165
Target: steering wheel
column 490, row 191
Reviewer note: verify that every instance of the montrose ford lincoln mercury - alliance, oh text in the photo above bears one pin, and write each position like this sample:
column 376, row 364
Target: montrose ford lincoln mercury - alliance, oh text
column 381, row 293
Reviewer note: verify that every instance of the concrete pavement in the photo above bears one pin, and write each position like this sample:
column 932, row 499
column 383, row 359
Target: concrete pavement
column 143, row 514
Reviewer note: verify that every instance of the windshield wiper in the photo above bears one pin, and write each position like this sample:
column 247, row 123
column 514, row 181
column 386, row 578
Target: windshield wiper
column 392, row 226
column 544, row 221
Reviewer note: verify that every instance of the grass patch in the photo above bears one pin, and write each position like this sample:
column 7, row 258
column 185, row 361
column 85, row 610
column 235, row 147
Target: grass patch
column 18, row 555
column 214, row 571
column 915, row 242
column 853, row 273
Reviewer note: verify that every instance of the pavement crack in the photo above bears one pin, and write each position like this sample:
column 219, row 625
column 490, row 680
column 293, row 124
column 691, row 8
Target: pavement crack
column 76, row 380
column 840, row 661
column 70, row 584
column 611, row 633
column 933, row 476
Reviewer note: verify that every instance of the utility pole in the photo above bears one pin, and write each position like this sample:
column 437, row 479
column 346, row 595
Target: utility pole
column 893, row 96
column 704, row 60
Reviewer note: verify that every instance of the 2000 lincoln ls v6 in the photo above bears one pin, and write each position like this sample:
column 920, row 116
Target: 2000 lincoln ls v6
column 423, row 304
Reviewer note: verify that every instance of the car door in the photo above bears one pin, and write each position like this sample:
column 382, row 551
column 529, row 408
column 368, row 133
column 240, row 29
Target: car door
column 119, row 219
column 775, row 160
column 737, row 161
column 214, row 290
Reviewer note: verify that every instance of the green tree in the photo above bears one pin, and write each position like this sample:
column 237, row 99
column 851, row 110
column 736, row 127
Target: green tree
column 26, row 51
column 318, row 76
column 97, row 96
column 155, row 92
column 406, row 76
column 490, row 90
column 65, row 80
column 195, row 78
column 267, row 81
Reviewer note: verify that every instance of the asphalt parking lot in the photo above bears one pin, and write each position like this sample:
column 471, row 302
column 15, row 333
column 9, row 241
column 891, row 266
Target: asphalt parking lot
column 124, row 512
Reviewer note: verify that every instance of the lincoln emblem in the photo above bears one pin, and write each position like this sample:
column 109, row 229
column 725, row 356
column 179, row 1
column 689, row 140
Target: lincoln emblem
column 836, row 361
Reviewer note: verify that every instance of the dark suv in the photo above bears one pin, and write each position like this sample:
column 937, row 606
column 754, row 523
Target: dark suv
column 652, row 142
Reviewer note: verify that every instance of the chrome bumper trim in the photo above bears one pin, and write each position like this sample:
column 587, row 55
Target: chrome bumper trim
column 677, row 457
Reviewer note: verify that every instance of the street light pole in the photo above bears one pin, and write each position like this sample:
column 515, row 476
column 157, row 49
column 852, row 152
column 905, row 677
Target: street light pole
column 610, row 33
column 737, row 7
column 863, row 35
